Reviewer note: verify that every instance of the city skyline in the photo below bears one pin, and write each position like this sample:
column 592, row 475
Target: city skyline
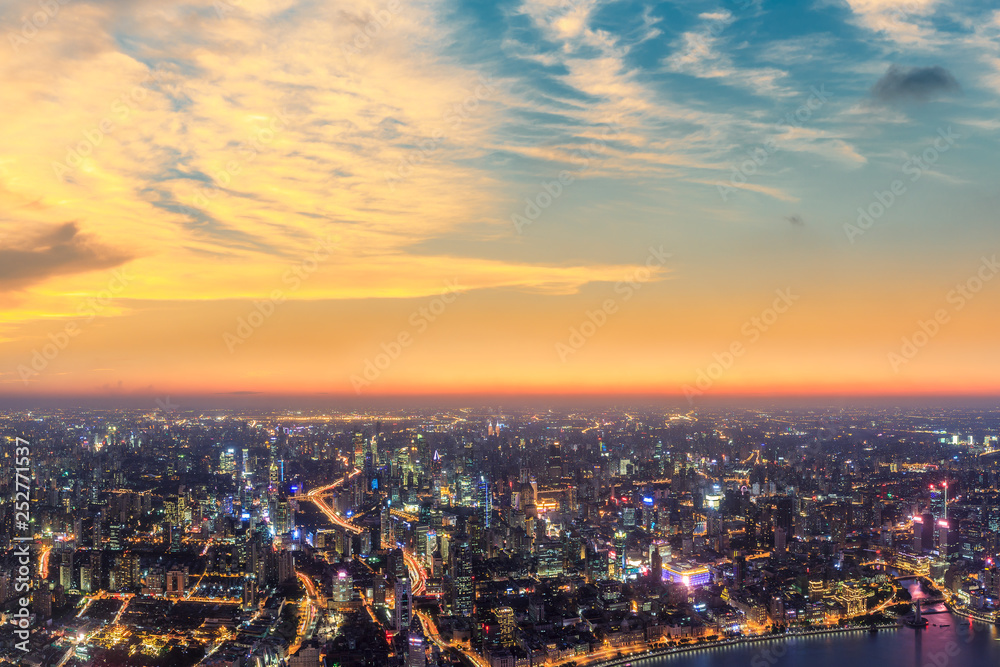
column 488, row 537
column 548, row 198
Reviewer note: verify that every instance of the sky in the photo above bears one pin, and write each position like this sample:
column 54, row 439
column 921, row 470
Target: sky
column 747, row 197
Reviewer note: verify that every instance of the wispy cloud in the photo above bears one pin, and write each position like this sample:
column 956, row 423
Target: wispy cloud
column 701, row 53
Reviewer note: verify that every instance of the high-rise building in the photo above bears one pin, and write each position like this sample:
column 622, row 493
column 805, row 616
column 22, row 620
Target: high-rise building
column 617, row 557
column 753, row 525
column 421, row 539
column 923, row 532
column 485, row 502
column 415, row 653
column 739, row 570
column 947, row 539
column 227, row 462
column 404, row 604
column 343, row 589
column 359, row 450
column 784, row 515
column 96, row 537
column 463, row 585
column 41, row 600
column 387, row 539
column 66, row 570
column 115, row 538
column 96, row 569
column 286, row 566
column 508, row 626
column 176, row 580
column 918, row 534
column 86, row 582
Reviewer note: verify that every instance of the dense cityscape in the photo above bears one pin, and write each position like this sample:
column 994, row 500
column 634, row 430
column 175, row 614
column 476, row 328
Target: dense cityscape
column 487, row 536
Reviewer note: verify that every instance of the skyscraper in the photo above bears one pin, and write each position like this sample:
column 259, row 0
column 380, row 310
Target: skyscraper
column 463, row 591
column 404, row 604
column 66, row 570
column 485, row 502
column 415, row 654
column 505, row 617
column 927, row 531
column 617, row 562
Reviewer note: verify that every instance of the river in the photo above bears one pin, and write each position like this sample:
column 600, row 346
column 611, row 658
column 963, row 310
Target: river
column 961, row 644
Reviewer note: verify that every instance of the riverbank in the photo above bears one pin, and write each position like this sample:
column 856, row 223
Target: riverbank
column 982, row 617
column 741, row 641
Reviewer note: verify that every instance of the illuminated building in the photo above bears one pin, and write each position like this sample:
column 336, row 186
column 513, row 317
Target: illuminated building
column 854, row 600
column 687, row 574
column 227, row 462
column 505, row 617
column 713, row 501
column 66, row 570
column 385, row 529
column 41, row 600
column 343, row 589
column 464, row 592
column 550, row 558
column 359, row 450
column 404, row 604
column 286, row 566
column 86, row 582
column 927, row 532
column 485, row 502
column 947, row 539
column 817, row 589
column 249, row 594
column 415, row 655
column 421, row 539
column 616, row 557
column 175, row 583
